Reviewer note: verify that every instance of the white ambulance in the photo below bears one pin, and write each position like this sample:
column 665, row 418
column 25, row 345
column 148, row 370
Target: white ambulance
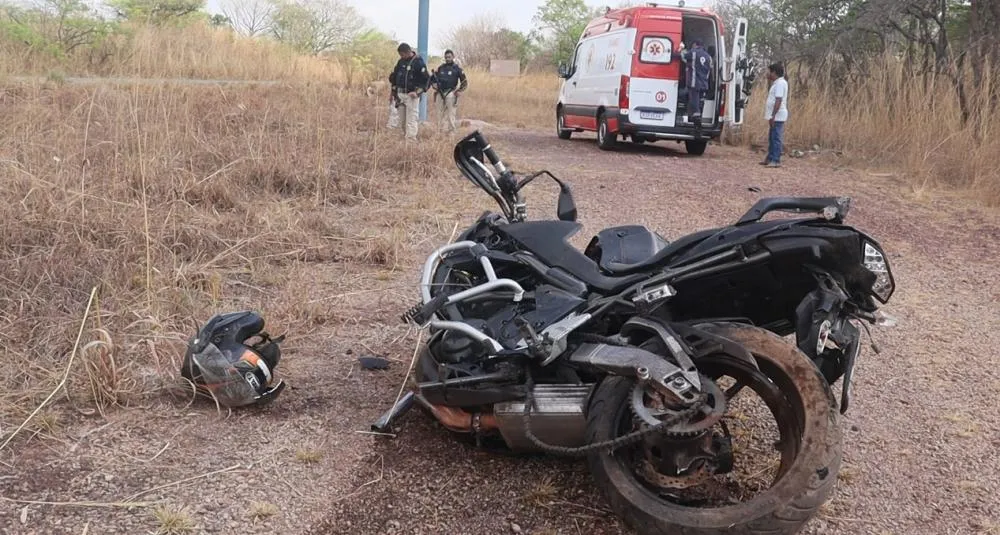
column 626, row 78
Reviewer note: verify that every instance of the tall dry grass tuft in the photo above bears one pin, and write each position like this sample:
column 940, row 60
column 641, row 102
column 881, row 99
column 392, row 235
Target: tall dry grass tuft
column 173, row 199
column 892, row 121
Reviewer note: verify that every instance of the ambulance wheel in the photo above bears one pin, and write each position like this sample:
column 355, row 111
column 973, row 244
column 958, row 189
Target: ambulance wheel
column 561, row 130
column 696, row 147
column 605, row 139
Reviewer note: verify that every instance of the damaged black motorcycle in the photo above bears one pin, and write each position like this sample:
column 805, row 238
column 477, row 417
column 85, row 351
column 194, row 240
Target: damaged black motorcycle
column 643, row 354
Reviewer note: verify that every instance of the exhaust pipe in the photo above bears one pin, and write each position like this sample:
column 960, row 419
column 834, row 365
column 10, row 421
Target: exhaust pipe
column 452, row 418
column 458, row 420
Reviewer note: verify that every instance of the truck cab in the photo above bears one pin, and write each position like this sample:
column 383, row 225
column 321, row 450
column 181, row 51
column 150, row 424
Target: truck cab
column 626, row 78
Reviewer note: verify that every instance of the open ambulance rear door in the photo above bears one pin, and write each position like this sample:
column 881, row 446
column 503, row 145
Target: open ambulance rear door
column 736, row 98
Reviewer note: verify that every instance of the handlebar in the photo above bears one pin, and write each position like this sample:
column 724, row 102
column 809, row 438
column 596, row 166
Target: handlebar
column 507, row 182
column 488, row 151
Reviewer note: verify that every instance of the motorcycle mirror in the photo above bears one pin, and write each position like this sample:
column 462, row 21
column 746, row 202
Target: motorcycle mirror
column 566, row 207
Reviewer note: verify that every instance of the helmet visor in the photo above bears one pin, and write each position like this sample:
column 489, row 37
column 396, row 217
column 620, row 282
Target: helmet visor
column 232, row 385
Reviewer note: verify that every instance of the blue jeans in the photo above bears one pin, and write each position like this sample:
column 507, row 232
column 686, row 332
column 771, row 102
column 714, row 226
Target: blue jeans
column 775, row 138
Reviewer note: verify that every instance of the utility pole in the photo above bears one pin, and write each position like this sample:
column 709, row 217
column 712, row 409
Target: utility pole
column 422, row 27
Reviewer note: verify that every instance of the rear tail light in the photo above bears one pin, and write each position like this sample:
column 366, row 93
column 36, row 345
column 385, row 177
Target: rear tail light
column 623, row 93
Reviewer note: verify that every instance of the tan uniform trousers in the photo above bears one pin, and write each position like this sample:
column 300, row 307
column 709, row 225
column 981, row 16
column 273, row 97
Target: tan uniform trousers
column 449, row 112
column 409, row 107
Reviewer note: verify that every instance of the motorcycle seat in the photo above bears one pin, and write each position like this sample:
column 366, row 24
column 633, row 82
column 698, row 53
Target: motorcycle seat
column 660, row 258
column 548, row 241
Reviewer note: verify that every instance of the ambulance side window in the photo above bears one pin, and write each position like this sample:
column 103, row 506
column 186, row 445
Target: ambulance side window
column 575, row 64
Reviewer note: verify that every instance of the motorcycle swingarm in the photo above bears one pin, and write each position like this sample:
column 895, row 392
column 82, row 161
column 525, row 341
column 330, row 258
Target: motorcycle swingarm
column 628, row 361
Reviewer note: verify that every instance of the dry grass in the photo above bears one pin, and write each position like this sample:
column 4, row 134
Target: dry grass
column 541, row 493
column 179, row 201
column 891, row 122
column 262, row 510
column 528, row 101
column 173, row 521
column 309, row 455
column 195, row 51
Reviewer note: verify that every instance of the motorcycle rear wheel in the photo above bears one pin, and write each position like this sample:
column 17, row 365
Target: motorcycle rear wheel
column 785, row 507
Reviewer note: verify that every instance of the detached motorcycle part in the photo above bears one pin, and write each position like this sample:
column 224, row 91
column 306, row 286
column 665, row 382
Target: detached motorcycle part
column 810, row 439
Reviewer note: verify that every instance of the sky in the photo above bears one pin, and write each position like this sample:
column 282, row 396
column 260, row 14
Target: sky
column 399, row 17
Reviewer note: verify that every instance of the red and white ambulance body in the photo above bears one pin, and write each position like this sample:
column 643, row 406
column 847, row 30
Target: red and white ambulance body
column 626, row 77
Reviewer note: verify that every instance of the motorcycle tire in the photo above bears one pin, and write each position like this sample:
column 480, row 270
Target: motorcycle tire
column 784, row 508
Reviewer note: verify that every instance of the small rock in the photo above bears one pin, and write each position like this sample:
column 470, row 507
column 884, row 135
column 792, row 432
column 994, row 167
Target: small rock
column 816, row 147
column 515, row 528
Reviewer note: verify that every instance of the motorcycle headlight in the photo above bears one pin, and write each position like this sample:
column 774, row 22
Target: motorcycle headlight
column 875, row 262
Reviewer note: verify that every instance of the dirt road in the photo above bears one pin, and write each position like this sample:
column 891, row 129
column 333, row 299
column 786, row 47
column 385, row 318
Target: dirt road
column 920, row 438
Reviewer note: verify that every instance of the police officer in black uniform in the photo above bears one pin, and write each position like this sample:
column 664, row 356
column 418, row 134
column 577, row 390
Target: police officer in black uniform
column 409, row 80
column 449, row 81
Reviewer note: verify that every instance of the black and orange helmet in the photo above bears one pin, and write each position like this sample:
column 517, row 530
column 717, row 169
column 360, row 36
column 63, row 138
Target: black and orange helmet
column 221, row 362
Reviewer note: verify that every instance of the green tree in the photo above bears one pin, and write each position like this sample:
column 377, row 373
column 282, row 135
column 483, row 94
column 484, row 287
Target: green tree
column 371, row 55
column 157, row 12
column 220, row 21
column 70, row 23
column 559, row 25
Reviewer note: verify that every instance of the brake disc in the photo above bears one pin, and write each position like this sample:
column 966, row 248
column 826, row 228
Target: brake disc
column 696, row 477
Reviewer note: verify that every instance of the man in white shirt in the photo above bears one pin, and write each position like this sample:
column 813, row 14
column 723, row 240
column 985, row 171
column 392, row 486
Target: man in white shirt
column 776, row 113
